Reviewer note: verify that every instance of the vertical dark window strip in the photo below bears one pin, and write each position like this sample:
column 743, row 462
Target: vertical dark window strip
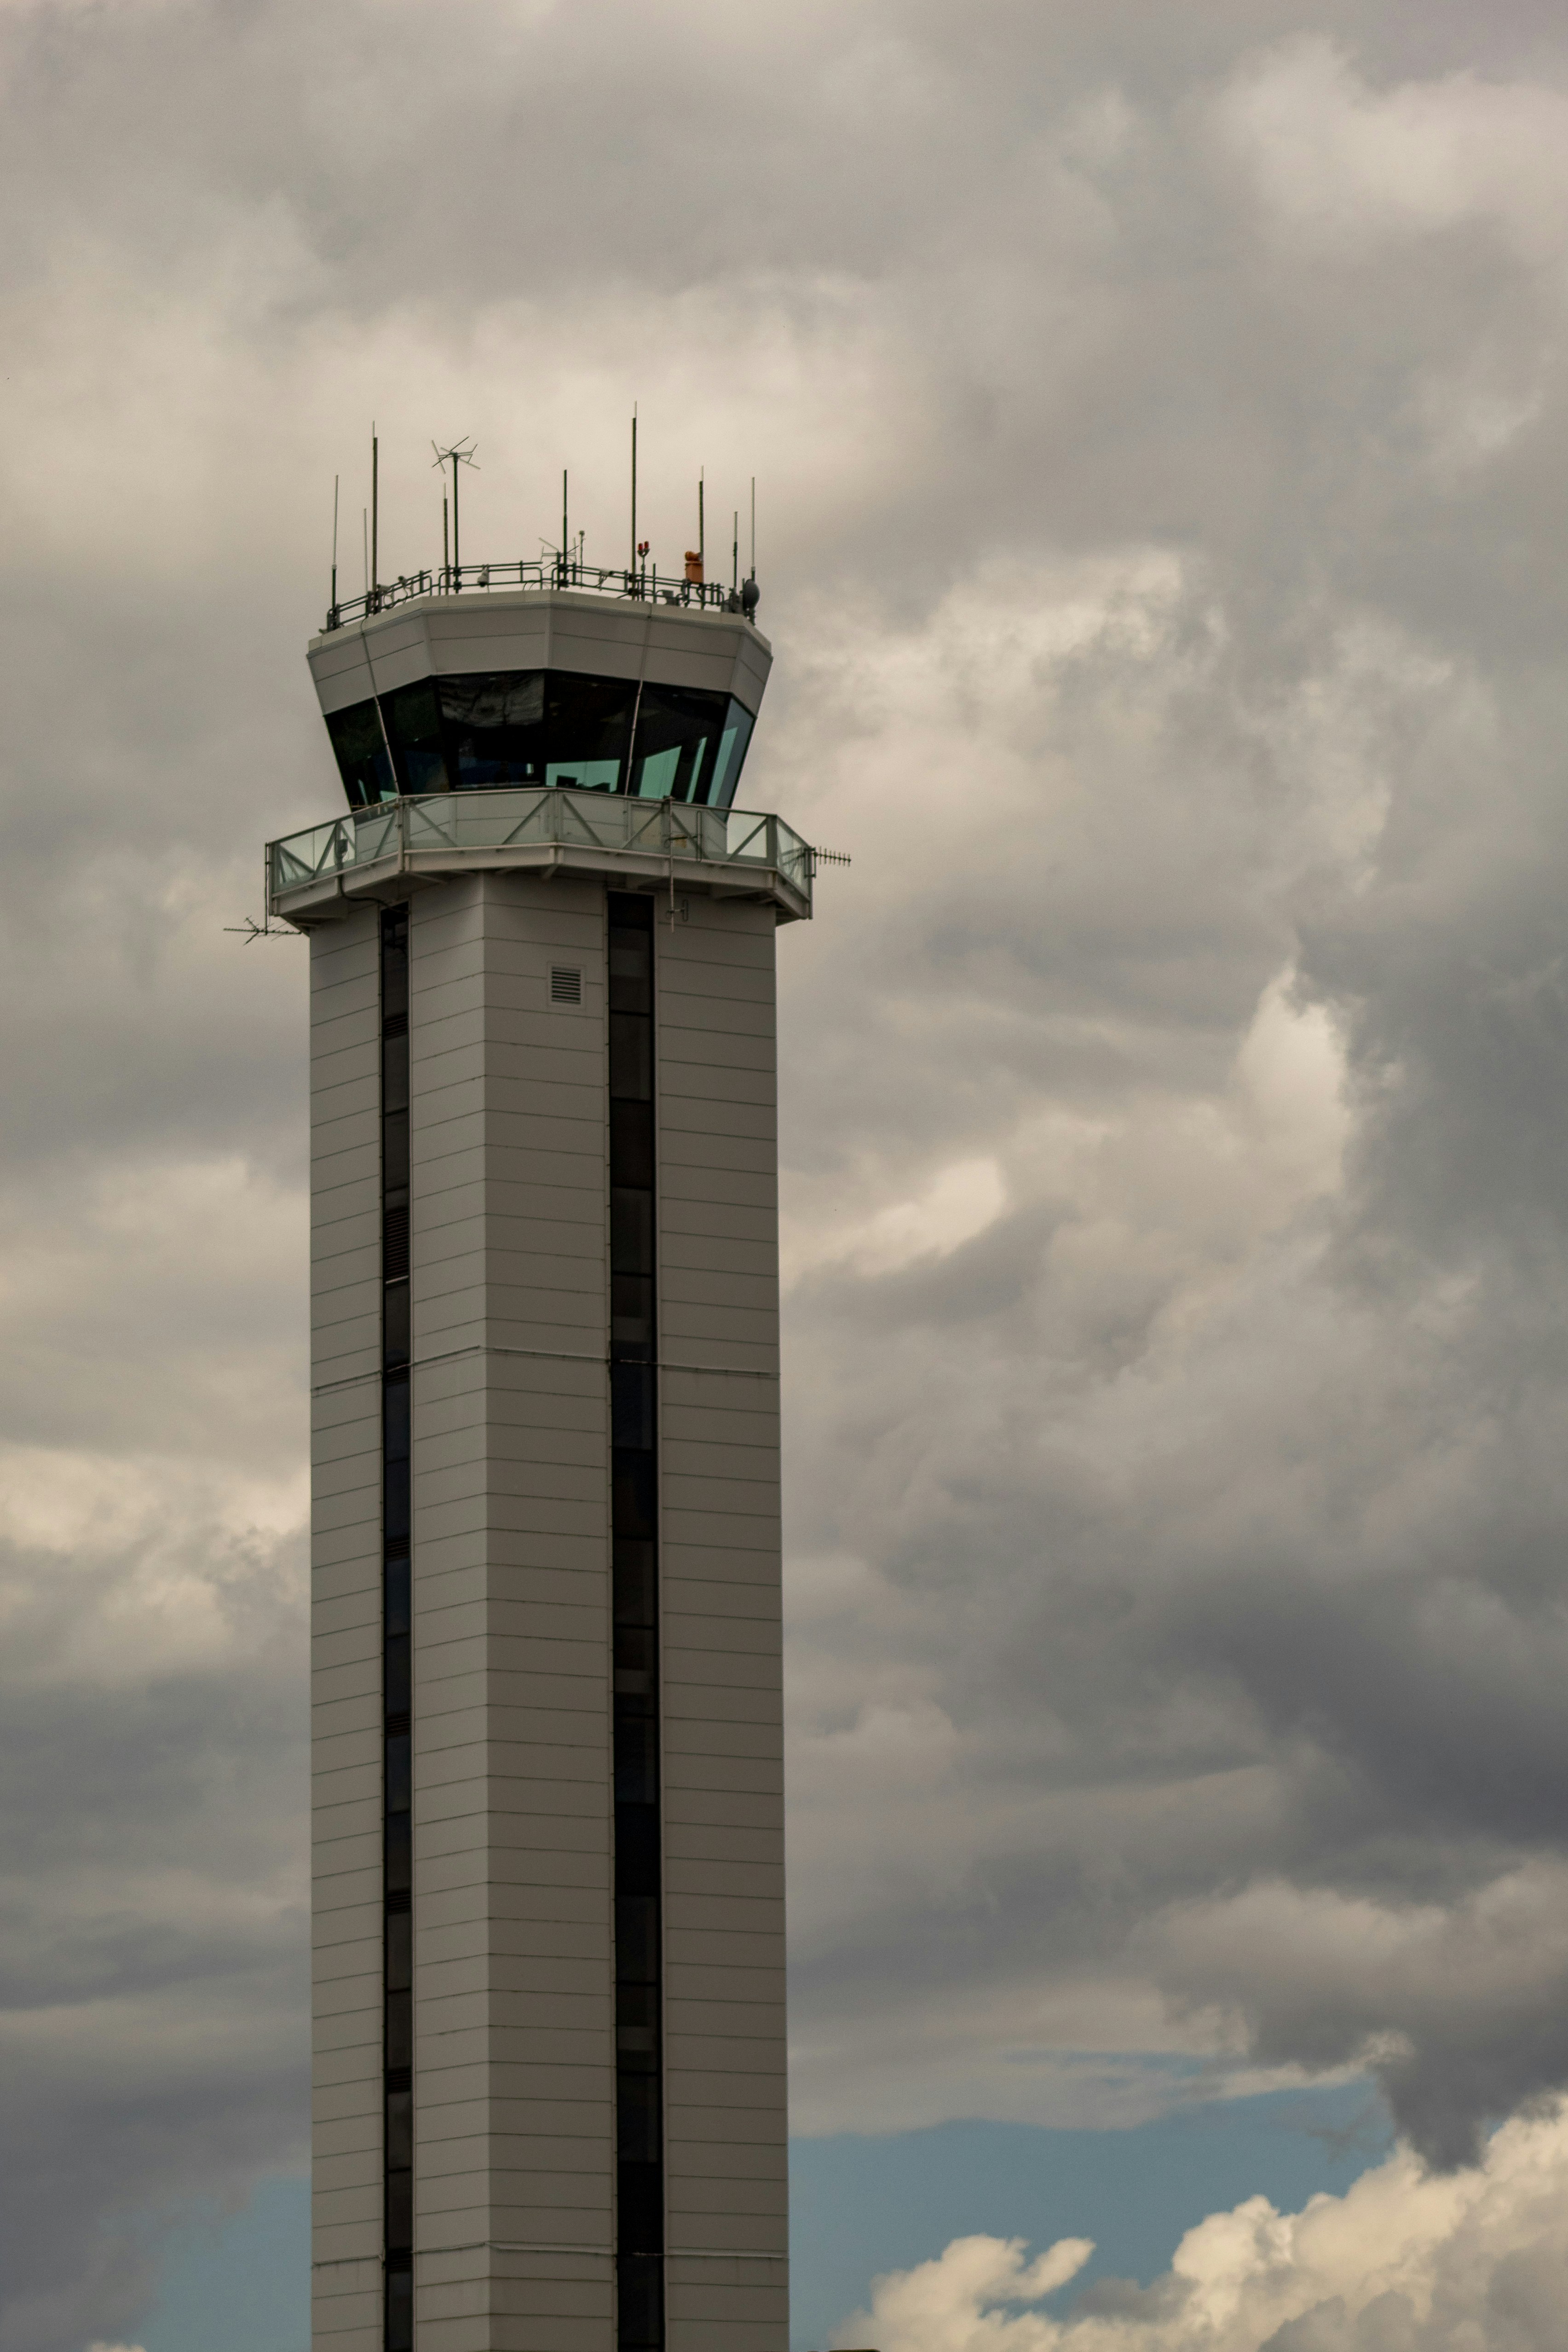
column 397, row 1630
column 634, row 1529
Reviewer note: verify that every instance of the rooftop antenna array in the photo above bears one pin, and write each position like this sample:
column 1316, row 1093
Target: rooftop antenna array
column 564, row 565
column 461, row 453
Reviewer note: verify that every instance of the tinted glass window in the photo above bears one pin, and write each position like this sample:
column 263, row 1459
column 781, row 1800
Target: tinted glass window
column 396, row 1682
column 362, row 763
column 394, row 1151
column 400, row 2283
column 414, row 724
column 675, row 754
column 589, row 721
column 631, row 1057
column 636, row 1939
column 734, row 739
column 394, row 1072
column 631, row 1238
column 638, row 2122
column 399, row 1773
column 396, row 1585
column 497, row 730
column 494, row 728
column 631, row 1405
column 394, row 1408
column 631, row 1134
column 636, row 1582
column 399, row 1853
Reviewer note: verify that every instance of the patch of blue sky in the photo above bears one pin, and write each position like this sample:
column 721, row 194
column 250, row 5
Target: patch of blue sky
column 239, row 2281
column 861, row 2206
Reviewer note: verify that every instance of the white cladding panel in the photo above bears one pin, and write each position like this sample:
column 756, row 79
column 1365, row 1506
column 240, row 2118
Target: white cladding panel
column 553, row 628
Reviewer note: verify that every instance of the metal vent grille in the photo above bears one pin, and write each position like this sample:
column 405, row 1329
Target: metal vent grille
column 565, row 984
column 395, row 1246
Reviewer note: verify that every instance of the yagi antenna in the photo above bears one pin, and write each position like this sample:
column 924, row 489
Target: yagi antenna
column 461, row 453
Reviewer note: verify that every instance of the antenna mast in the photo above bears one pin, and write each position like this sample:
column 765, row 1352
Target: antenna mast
column 634, row 486
column 701, row 548
column 461, row 453
column 334, row 543
column 375, row 580
column 565, row 553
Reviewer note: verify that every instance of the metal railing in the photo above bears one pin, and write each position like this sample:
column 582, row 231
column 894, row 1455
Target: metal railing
column 642, row 586
column 419, row 830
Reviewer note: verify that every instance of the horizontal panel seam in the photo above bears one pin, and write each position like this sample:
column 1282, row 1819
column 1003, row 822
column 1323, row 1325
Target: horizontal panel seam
column 594, row 2253
column 547, row 1355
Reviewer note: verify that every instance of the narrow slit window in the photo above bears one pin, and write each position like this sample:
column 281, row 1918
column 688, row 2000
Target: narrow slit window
column 396, row 1651
column 633, row 1526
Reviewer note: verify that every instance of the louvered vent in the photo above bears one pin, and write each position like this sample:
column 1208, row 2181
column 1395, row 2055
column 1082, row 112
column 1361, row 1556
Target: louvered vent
column 565, row 984
column 395, row 1246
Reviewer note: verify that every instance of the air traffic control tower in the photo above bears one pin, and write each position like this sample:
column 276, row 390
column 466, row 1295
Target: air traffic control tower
column 548, row 1833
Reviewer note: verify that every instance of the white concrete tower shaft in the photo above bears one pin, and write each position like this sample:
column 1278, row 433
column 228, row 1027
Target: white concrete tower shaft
column 548, row 1998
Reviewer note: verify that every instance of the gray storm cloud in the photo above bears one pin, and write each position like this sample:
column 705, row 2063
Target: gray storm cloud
column 1159, row 418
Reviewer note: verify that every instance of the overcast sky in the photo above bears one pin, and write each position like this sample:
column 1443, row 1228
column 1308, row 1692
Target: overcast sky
column 1159, row 422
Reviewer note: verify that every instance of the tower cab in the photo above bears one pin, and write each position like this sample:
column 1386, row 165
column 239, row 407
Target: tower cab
column 503, row 689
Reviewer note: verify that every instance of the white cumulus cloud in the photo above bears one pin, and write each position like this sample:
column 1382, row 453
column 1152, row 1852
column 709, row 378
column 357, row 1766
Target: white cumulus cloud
column 1404, row 2261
